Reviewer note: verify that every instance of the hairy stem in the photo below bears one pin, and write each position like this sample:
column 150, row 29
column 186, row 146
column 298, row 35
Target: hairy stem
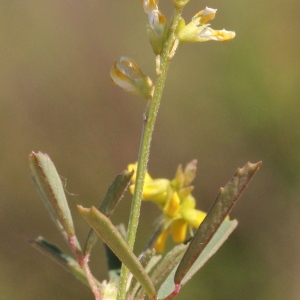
column 92, row 282
column 149, row 122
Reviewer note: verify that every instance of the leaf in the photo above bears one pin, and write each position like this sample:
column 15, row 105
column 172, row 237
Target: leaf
column 49, row 207
column 169, row 262
column 167, row 288
column 113, row 195
column 115, row 192
column 148, row 260
column 60, row 257
column 222, row 206
column 110, row 235
column 113, row 262
column 49, row 185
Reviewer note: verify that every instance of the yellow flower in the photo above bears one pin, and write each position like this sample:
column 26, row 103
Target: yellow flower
column 179, row 216
column 133, row 167
column 155, row 190
column 176, row 202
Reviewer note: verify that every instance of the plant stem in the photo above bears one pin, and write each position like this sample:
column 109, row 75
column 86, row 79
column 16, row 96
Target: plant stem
column 149, row 122
column 92, row 282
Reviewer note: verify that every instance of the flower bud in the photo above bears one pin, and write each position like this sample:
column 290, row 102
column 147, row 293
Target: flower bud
column 126, row 74
column 157, row 30
column 108, row 290
column 190, row 172
column 180, row 3
column 205, row 15
column 149, row 5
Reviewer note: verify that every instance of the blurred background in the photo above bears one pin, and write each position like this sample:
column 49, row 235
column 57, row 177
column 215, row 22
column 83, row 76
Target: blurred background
column 224, row 104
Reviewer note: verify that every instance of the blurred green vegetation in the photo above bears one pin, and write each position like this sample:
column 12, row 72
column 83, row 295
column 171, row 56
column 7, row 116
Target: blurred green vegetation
column 224, row 104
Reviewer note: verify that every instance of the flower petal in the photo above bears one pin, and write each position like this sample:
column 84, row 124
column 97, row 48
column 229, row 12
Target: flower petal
column 208, row 34
column 193, row 217
column 161, row 241
column 157, row 191
column 178, row 230
column 205, row 15
column 131, row 167
column 172, row 207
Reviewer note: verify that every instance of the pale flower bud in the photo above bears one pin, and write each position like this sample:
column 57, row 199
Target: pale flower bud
column 157, row 30
column 180, row 3
column 126, row 74
column 205, row 15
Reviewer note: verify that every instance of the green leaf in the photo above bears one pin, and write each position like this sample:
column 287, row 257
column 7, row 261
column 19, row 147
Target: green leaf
column 60, row 257
column 113, row 263
column 115, row 192
column 220, row 209
column 113, row 195
column 148, row 259
column 167, row 288
column 169, row 262
column 50, row 187
column 49, row 207
column 110, row 235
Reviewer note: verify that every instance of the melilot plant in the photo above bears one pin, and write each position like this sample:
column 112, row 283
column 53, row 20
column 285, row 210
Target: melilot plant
column 198, row 234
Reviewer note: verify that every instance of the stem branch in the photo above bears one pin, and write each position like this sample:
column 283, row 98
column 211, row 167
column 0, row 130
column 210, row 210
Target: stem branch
column 92, row 282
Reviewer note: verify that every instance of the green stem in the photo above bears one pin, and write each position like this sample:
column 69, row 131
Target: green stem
column 149, row 122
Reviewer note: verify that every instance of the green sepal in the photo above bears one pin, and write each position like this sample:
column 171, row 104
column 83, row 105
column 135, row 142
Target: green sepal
column 156, row 40
column 185, row 191
column 190, row 172
column 110, row 235
column 113, row 195
column 178, row 181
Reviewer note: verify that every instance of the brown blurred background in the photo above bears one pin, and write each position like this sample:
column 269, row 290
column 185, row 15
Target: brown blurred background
column 224, row 104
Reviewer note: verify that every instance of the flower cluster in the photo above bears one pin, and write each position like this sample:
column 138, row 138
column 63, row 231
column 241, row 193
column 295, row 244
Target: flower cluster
column 126, row 73
column 196, row 31
column 174, row 199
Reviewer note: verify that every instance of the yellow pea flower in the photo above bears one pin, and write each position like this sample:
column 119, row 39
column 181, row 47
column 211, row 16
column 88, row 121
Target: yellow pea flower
column 174, row 198
column 178, row 218
column 155, row 190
